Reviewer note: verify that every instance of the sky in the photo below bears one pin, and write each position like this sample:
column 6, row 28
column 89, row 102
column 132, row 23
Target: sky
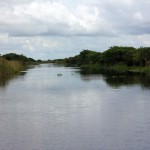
column 51, row 29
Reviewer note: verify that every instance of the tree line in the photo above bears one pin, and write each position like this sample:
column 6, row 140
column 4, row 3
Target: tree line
column 115, row 55
column 17, row 57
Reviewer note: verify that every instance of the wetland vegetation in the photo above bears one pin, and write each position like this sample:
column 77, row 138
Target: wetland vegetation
column 13, row 63
column 116, row 58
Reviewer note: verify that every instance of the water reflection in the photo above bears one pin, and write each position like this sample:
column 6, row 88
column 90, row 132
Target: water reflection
column 45, row 112
column 112, row 78
column 5, row 79
column 116, row 79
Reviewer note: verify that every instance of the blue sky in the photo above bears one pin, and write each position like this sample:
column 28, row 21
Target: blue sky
column 49, row 29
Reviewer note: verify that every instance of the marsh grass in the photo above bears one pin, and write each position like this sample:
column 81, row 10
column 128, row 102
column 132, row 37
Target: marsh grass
column 124, row 68
column 9, row 67
column 121, row 68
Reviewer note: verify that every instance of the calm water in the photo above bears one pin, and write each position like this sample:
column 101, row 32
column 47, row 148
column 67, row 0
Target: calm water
column 76, row 111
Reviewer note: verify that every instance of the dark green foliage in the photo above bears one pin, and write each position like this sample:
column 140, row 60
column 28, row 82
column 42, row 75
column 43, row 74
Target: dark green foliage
column 13, row 56
column 59, row 61
column 39, row 60
column 144, row 56
column 117, row 55
column 17, row 57
column 86, row 57
column 31, row 60
column 89, row 57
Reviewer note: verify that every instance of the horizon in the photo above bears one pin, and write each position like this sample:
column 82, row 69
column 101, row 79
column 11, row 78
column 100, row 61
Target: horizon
column 72, row 55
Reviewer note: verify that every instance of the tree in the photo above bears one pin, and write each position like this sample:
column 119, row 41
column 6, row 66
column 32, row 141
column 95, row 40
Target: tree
column 145, row 56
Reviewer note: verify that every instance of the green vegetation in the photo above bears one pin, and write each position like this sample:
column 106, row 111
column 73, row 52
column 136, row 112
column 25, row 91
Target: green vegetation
column 20, row 58
column 115, row 58
column 9, row 67
column 13, row 63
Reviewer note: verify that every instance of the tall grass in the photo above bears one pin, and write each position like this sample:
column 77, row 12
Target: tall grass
column 121, row 68
column 9, row 67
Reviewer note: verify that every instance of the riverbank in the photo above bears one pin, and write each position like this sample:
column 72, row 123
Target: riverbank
column 96, row 68
column 121, row 59
column 10, row 67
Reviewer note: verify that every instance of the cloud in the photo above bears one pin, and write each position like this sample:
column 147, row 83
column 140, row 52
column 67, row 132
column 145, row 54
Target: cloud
column 52, row 18
column 104, row 18
column 127, row 16
column 61, row 28
column 99, row 18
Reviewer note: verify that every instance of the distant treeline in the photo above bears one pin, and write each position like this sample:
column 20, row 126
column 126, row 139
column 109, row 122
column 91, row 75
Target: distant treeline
column 116, row 55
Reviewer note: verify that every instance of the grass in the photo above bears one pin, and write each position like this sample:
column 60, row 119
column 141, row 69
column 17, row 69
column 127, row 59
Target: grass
column 119, row 68
column 124, row 68
column 9, row 67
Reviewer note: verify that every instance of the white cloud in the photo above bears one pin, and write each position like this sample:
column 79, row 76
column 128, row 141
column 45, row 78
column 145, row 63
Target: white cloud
column 59, row 28
column 145, row 39
column 52, row 18
column 4, row 38
column 28, row 46
column 138, row 16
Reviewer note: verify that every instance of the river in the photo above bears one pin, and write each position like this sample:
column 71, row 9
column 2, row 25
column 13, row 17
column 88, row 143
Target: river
column 50, row 107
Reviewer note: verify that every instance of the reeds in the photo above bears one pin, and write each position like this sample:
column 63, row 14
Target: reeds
column 9, row 67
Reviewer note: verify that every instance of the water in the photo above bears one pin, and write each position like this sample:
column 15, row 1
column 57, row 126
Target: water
column 76, row 111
